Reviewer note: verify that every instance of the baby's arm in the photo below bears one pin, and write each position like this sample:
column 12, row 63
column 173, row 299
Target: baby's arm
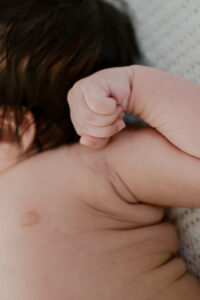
column 155, row 170
column 168, row 103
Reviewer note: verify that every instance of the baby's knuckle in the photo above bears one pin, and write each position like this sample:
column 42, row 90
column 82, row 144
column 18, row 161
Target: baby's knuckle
column 97, row 106
column 89, row 117
column 83, row 128
column 114, row 129
column 76, row 85
column 81, row 84
column 110, row 131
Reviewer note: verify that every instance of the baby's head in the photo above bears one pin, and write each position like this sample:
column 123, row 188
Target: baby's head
column 46, row 46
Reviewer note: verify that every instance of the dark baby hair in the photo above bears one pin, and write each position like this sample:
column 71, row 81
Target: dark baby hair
column 48, row 45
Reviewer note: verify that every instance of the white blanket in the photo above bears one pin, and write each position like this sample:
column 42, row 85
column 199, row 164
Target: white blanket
column 169, row 36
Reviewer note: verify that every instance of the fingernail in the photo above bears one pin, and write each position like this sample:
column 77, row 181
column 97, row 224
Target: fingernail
column 121, row 125
column 83, row 141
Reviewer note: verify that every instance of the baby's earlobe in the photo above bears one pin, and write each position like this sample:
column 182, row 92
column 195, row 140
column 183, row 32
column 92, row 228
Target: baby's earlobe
column 27, row 132
column 24, row 135
column 12, row 149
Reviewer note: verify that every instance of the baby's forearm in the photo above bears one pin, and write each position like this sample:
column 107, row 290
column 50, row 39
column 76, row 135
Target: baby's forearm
column 168, row 103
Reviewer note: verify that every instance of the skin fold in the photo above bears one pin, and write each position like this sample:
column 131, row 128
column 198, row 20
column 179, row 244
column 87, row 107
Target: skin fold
column 73, row 228
column 80, row 223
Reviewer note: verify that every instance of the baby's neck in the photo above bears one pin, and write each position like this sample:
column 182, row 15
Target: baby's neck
column 11, row 156
column 7, row 163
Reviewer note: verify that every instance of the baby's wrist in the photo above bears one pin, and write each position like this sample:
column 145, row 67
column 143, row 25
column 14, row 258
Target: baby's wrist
column 128, row 102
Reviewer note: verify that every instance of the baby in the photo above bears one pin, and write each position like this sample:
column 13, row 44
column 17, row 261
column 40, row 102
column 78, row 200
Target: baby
column 162, row 100
column 79, row 223
column 99, row 102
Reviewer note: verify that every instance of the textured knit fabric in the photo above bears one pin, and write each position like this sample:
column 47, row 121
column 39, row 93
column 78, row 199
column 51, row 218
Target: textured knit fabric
column 169, row 36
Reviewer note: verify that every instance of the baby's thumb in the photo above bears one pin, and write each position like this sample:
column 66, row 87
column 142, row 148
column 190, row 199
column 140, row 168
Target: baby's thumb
column 102, row 105
column 93, row 142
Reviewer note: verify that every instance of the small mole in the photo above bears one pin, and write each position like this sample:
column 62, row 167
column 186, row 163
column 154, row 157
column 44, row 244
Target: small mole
column 29, row 218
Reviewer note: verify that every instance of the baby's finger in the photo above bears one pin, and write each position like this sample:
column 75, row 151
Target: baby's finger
column 97, row 120
column 104, row 106
column 103, row 132
column 94, row 143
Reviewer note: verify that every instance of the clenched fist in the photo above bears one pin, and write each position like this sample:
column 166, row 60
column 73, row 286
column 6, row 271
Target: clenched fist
column 98, row 103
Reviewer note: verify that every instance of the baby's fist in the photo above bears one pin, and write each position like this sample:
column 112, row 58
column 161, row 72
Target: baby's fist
column 97, row 104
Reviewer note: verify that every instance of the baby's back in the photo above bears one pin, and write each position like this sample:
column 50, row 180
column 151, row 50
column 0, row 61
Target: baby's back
column 69, row 231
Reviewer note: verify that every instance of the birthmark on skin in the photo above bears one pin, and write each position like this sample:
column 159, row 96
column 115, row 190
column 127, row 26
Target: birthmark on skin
column 29, row 218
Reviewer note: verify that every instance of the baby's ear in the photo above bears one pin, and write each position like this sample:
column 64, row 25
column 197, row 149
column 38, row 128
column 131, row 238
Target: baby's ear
column 26, row 133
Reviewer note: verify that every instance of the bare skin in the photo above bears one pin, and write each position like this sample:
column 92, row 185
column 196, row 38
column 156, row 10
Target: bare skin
column 168, row 103
column 78, row 224
column 85, row 224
